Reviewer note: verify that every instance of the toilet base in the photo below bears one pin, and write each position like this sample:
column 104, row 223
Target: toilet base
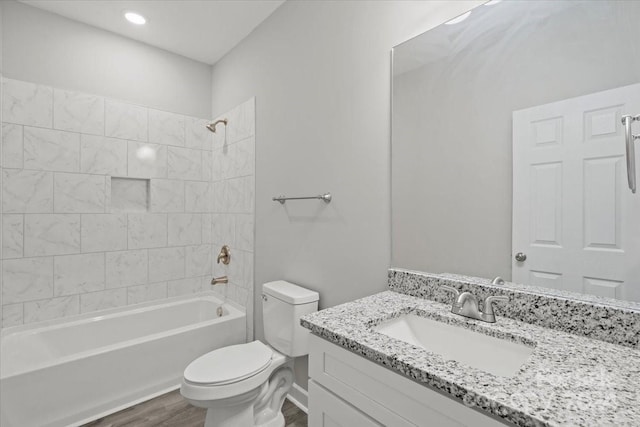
column 231, row 412
column 230, row 416
column 278, row 421
column 268, row 406
column 260, row 407
column 236, row 417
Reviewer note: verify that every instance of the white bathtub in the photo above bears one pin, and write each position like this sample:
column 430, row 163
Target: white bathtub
column 69, row 372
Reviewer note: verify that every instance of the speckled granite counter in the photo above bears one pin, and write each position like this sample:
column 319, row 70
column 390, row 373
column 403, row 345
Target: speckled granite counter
column 614, row 321
column 569, row 380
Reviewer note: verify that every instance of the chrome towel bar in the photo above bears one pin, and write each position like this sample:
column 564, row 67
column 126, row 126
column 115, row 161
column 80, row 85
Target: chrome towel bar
column 326, row 197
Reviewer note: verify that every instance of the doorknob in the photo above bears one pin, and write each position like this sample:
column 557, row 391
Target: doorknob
column 520, row 257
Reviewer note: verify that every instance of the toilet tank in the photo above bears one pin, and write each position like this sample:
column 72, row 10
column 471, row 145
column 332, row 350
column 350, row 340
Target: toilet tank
column 283, row 304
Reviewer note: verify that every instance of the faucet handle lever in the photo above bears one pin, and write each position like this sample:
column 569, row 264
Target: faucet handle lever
column 454, row 291
column 224, row 255
column 488, row 306
column 450, row 289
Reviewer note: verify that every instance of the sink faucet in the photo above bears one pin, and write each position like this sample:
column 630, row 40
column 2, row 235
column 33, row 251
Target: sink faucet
column 466, row 305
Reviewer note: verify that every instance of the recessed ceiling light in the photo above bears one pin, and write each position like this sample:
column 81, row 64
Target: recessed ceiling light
column 135, row 18
column 458, row 19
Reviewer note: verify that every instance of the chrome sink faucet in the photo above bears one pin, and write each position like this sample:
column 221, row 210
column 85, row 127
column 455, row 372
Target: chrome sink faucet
column 466, row 305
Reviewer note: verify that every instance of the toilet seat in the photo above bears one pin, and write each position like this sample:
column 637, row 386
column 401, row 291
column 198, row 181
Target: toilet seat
column 206, row 393
column 229, row 365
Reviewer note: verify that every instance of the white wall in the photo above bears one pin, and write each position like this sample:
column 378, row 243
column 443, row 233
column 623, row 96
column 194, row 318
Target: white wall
column 49, row 49
column 320, row 72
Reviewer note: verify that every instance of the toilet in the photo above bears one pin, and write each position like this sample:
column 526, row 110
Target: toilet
column 246, row 384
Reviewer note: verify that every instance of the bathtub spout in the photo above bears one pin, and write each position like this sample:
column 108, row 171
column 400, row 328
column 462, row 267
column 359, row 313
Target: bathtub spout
column 219, row 280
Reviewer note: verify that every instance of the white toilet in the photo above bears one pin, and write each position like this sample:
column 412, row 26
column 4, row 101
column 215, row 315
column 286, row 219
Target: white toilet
column 245, row 385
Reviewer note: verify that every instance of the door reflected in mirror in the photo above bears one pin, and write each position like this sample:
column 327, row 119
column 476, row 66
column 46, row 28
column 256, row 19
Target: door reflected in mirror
column 510, row 154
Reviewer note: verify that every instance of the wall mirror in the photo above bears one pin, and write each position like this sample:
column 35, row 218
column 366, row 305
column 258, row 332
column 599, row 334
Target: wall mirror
column 509, row 153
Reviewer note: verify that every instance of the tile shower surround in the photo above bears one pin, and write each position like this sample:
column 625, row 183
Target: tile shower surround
column 179, row 192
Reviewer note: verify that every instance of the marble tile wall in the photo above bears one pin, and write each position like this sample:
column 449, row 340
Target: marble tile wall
column 67, row 249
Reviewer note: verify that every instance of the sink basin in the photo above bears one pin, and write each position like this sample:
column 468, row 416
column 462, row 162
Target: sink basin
column 493, row 355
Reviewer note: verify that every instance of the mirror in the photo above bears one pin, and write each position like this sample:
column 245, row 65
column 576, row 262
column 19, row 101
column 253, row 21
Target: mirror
column 509, row 155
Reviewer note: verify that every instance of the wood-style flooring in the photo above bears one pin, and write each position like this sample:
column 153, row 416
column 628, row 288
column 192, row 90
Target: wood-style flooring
column 171, row 410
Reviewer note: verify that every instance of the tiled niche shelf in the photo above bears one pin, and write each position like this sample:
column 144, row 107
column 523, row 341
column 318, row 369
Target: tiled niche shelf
column 129, row 195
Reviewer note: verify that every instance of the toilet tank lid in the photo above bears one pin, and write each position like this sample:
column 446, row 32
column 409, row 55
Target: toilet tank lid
column 290, row 293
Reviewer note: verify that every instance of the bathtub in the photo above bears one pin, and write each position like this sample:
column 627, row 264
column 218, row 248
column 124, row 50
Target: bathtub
column 69, row 372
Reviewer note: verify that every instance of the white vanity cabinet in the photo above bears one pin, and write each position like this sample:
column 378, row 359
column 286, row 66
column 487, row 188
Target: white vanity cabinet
column 348, row 390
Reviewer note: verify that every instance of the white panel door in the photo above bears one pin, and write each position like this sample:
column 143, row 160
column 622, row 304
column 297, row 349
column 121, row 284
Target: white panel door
column 573, row 215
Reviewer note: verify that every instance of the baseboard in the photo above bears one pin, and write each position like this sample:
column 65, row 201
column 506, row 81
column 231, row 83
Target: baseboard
column 299, row 397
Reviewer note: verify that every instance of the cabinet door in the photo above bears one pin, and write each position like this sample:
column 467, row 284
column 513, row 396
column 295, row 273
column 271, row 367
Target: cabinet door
column 328, row 410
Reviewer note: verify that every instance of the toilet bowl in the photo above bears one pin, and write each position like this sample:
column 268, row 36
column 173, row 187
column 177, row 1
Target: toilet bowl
column 240, row 385
column 246, row 384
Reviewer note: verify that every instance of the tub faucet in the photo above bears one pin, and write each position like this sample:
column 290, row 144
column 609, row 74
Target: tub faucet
column 219, row 280
column 466, row 305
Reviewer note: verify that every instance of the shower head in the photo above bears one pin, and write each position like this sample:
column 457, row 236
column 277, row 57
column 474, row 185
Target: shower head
column 212, row 126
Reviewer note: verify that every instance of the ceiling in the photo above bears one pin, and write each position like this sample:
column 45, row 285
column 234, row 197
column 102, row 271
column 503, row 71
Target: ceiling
column 204, row 30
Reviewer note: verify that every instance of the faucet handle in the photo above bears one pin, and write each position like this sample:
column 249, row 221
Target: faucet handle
column 224, row 255
column 488, row 313
column 498, row 281
column 450, row 289
column 455, row 292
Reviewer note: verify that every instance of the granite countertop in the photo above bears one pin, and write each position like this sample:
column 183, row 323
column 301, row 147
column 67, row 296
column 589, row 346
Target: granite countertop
column 569, row 380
